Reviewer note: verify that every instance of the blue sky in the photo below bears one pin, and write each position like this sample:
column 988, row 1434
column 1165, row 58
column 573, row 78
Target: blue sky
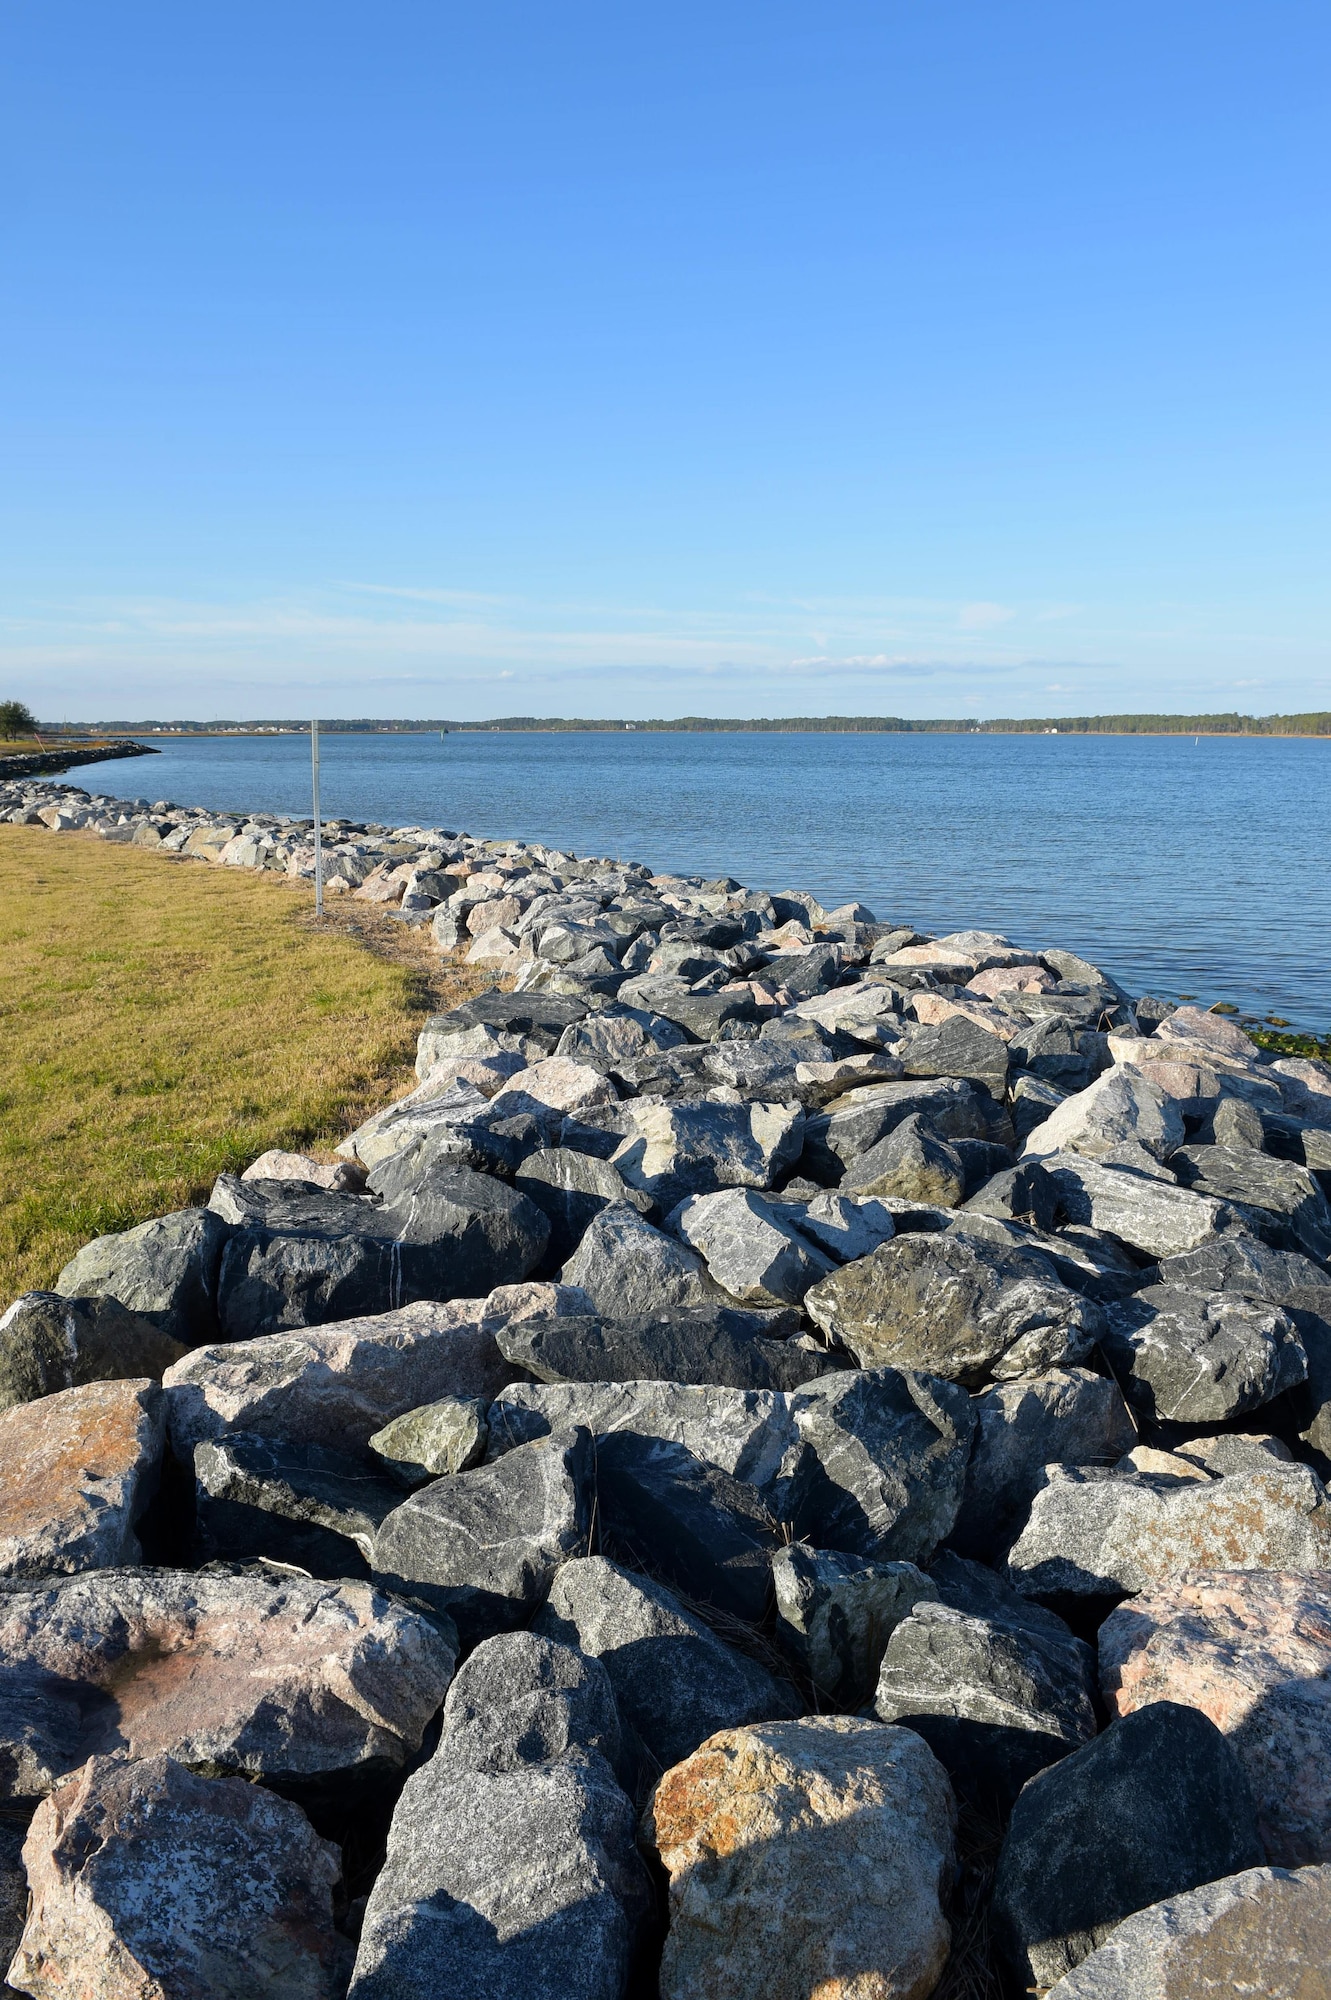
column 423, row 359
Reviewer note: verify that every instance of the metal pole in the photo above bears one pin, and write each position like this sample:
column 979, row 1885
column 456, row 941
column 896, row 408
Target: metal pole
column 318, row 824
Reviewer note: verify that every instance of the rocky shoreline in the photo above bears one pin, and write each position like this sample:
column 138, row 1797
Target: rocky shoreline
column 790, row 1464
column 32, row 763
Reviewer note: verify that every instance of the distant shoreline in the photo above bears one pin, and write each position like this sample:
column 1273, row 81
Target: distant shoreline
column 1312, row 725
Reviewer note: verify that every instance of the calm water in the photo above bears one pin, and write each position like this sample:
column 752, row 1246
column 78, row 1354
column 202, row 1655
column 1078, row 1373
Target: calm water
column 1196, row 868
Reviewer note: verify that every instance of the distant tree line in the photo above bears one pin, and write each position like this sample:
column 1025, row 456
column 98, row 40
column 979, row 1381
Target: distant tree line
column 1316, row 724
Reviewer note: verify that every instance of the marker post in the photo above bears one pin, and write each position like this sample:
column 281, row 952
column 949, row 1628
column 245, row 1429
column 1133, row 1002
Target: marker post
column 318, row 824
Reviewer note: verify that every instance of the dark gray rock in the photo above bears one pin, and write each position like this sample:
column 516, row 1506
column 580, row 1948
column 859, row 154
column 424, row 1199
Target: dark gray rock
column 571, row 1189
column 296, row 1503
column 1310, row 1403
column 701, row 1015
column 852, row 1124
column 995, row 1701
column 835, row 1614
column 726, row 1345
column 749, row 1433
column 1068, row 1416
column 540, row 1017
column 484, row 1545
column 1241, row 1263
column 49, row 1343
column 1050, row 1051
column 511, row 1864
column 709, row 1535
column 676, row 1683
column 958, row 1047
column 13, row 1895
column 165, row 1271
column 1155, row 1806
column 956, row 1306
column 297, row 1256
column 1187, row 1357
column 885, row 1465
column 1289, row 1197
column 912, row 1163
column 626, row 1266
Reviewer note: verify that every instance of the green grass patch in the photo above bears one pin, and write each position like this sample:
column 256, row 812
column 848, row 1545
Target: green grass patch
column 162, row 1021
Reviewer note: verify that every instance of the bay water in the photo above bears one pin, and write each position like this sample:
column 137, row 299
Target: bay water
column 1187, row 867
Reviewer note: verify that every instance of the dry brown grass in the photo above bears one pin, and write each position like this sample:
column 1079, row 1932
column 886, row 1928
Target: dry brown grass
column 163, row 1020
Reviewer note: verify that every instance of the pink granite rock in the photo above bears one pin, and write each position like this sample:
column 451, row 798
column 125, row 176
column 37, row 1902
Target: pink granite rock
column 1252, row 1650
column 152, row 1883
column 76, row 1471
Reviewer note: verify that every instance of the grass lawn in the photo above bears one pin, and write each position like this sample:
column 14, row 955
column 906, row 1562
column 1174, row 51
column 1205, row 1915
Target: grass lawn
column 162, row 1020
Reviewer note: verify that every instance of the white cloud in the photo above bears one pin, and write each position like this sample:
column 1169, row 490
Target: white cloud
column 983, row 617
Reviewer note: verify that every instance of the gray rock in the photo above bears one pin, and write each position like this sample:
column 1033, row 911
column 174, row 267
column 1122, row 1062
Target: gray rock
column 834, row 1138
column 484, row 1545
column 13, row 1895
column 540, row 1018
column 49, row 1343
column 913, row 1163
column 300, row 1257
column 1067, row 1416
column 1310, row 1403
column 1185, row 1357
column 844, row 1226
column 1119, row 1106
column 618, row 1036
column 571, row 1189
column 685, row 1520
column 1155, row 1806
column 149, row 1879
column 1241, row 1263
column 958, row 1047
column 522, row 1698
column 1092, row 1533
column 447, row 1436
column 1153, row 1216
column 749, row 1433
column 995, row 1701
column 750, row 1247
column 835, row 1614
column 1260, row 1931
column 702, row 1015
column 165, row 1271
column 296, row 1503
column 676, row 1683
column 271, row 1675
column 626, row 1266
column 1288, row 1197
column 957, row 1307
column 725, row 1345
column 337, row 1385
column 511, row 1864
column 1225, row 1452
column 671, row 1150
column 886, row 1462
